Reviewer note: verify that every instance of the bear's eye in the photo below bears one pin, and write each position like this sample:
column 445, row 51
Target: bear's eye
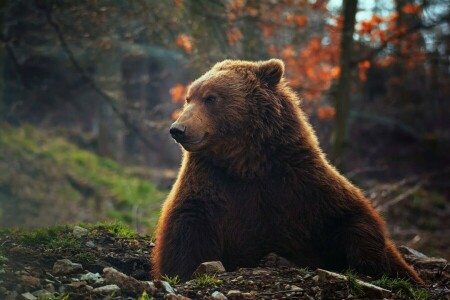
column 210, row 99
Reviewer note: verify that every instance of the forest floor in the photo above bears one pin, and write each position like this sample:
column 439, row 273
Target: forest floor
column 109, row 261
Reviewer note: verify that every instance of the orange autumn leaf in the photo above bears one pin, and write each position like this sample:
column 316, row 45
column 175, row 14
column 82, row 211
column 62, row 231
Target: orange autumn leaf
column 364, row 64
column 290, row 18
column 326, row 112
column 178, row 3
column 185, row 41
column 411, row 8
column 236, row 4
column 234, row 35
column 253, row 12
column 177, row 93
column 335, row 72
column 268, row 30
column 301, row 21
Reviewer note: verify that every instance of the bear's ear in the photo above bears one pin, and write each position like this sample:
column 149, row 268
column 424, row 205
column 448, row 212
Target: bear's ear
column 270, row 71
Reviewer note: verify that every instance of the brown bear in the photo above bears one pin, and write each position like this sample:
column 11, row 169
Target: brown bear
column 253, row 181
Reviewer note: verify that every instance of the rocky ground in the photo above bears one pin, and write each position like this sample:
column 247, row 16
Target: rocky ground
column 108, row 261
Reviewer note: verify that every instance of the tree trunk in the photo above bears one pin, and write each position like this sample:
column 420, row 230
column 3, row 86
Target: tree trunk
column 344, row 82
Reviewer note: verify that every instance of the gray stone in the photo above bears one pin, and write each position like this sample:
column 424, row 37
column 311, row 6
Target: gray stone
column 410, row 251
column 90, row 244
column 234, row 295
column 129, row 284
column 167, row 287
column 50, row 287
column 80, row 231
column 296, row 288
column 43, row 294
column 106, row 289
column 65, row 266
column 29, row 281
column 209, row 267
column 218, row 296
column 28, row 296
column 91, row 277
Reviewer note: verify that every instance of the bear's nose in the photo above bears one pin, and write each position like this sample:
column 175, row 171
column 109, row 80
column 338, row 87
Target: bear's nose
column 177, row 130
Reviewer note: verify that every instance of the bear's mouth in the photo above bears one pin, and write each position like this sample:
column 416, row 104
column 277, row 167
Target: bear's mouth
column 194, row 141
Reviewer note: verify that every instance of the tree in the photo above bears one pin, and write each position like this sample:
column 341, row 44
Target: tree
column 344, row 82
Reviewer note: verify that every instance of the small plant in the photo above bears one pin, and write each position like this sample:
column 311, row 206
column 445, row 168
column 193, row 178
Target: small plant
column 171, row 280
column 53, row 238
column 402, row 287
column 207, row 280
column 115, row 228
column 86, row 257
column 145, row 296
column 352, row 283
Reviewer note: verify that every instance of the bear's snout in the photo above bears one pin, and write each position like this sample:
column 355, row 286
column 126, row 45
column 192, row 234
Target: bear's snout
column 177, row 131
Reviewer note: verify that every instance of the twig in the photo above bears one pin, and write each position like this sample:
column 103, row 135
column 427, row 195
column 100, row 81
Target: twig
column 355, row 172
column 402, row 196
column 13, row 57
column 400, row 35
column 423, row 179
column 109, row 100
column 281, row 292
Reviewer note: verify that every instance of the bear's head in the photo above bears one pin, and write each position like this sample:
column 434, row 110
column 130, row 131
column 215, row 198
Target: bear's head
column 235, row 103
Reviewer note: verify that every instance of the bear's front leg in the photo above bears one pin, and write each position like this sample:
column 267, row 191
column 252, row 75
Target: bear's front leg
column 184, row 239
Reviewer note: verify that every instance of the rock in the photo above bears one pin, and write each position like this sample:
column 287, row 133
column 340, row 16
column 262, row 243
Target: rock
column 248, row 295
column 129, row 284
column 91, row 277
column 409, row 251
column 175, row 297
column 296, row 288
column 77, row 284
column 65, row 266
column 28, row 296
column 273, row 260
column 218, row 296
column 167, row 287
column 29, row 281
column 106, row 289
column 90, row 244
column 234, row 295
column 369, row 290
column 79, row 231
column 50, row 287
column 210, row 267
column 260, row 272
column 43, row 294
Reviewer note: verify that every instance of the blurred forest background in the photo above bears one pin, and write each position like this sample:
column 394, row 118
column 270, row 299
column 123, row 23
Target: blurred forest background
column 89, row 89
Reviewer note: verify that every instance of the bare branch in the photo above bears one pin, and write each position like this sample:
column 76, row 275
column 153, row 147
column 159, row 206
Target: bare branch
column 109, row 100
column 401, row 35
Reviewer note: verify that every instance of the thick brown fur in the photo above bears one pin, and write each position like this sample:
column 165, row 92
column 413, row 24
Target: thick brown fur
column 255, row 181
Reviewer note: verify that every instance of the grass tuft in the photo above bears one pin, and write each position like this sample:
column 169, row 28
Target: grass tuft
column 402, row 287
column 52, row 238
column 353, row 286
column 171, row 280
column 207, row 280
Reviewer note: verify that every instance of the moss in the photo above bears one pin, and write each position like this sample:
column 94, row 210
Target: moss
column 207, row 280
column 52, row 238
column 117, row 229
column 402, row 287
column 352, row 283
column 86, row 257
column 44, row 180
column 145, row 296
